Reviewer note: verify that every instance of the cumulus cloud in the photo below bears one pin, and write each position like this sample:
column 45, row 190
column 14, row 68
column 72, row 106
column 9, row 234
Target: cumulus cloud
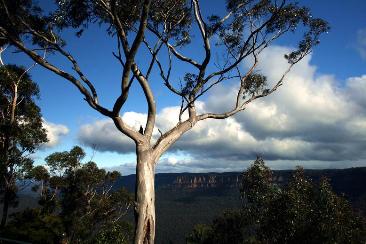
column 104, row 136
column 311, row 118
column 356, row 90
column 54, row 132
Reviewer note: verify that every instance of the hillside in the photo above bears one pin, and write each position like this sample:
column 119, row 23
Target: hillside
column 186, row 199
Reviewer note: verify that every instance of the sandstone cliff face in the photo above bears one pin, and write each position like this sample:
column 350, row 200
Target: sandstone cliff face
column 213, row 180
column 206, row 181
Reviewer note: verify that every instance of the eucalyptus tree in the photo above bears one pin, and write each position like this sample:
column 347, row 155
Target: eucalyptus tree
column 21, row 130
column 160, row 29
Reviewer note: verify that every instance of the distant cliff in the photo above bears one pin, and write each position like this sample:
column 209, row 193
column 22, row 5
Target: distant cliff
column 217, row 180
column 206, row 181
column 351, row 182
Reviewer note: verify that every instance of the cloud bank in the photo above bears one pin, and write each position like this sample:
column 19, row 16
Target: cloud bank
column 312, row 119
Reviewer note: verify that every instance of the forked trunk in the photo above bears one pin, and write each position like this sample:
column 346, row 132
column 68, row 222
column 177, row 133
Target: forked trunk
column 144, row 197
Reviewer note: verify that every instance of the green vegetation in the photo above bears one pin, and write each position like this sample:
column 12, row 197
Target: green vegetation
column 21, row 131
column 77, row 204
column 300, row 212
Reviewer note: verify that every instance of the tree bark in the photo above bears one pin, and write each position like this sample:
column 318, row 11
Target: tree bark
column 5, row 207
column 8, row 172
column 144, row 196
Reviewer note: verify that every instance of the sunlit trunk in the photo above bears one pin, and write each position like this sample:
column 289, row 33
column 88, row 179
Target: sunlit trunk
column 144, row 197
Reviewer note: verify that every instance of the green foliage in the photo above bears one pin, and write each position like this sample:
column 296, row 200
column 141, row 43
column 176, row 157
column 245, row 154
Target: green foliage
column 78, row 199
column 301, row 212
column 200, row 234
column 18, row 15
column 35, row 226
column 273, row 17
column 231, row 227
column 257, row 188
column 21, row 130
column 59, row 162
column 254, row 84
column 39, row 173
column 170, row 19
column 115, row 233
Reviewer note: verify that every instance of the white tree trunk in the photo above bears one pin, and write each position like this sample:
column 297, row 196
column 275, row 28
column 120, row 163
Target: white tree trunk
column 145, row 197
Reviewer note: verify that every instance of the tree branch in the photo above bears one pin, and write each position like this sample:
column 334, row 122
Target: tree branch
column 130, row 56
column 242, row 107
column 203, row 30
column 174, row 50
column 2, row 49
column 151, row 116
column 243, row 54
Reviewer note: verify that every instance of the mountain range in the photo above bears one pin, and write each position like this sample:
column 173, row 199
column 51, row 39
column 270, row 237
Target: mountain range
column 186, row 199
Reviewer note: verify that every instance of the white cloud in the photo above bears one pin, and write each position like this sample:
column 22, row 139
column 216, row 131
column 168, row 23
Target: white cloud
column 310, row 118
column 54, row 132
column 104, row 136
column 356, row 90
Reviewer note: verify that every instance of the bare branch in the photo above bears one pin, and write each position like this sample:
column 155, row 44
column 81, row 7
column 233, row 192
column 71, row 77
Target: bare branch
column 242, row 106
column 151, row 116
column 30, row 67
column 154, row 52
column 174, row 50
column 182, row 57
column 2, row 49
column 119, row 55
column 76, row 66
column 130, row 132
column 203, row 30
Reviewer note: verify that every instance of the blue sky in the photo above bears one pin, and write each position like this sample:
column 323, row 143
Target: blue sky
column 325, row 110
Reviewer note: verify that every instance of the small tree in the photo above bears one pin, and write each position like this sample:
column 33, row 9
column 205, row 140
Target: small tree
column 242, row 33
column 21, row 130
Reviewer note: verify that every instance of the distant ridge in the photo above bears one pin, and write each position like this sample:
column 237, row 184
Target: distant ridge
column 351, row 181
column 186, row 199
